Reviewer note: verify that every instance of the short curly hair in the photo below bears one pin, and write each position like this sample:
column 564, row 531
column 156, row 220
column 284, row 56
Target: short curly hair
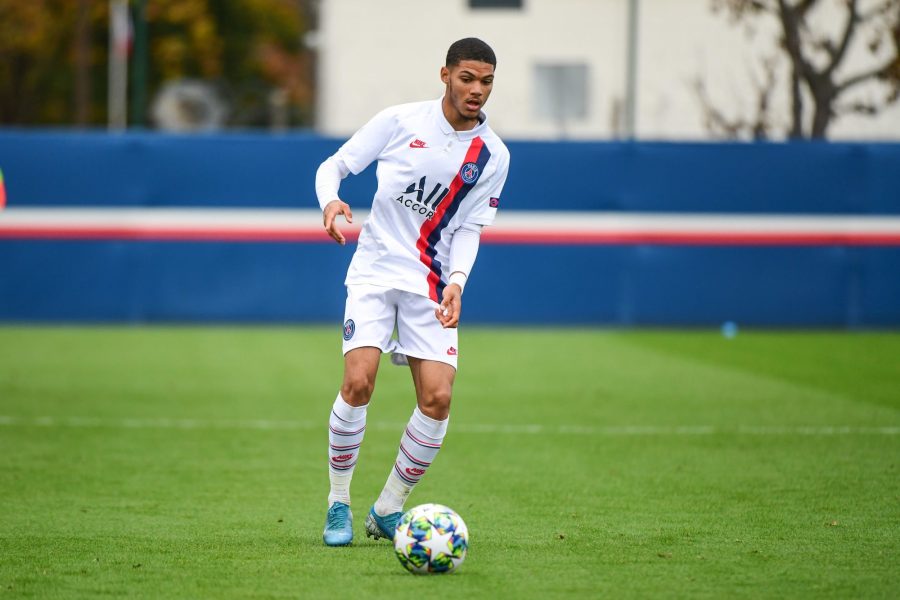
column 470, row 49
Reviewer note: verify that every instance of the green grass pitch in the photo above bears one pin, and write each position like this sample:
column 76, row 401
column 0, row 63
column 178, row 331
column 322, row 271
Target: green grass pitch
column 192, row 462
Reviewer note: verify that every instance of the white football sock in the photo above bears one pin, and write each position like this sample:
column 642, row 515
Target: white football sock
column 346, row 427
column 419, row 444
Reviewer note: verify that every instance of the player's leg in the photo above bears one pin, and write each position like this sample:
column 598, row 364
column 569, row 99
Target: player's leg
column 433, row 381
column 424, row 433
column 367, row 310
column 419, row 444
column 432, row 353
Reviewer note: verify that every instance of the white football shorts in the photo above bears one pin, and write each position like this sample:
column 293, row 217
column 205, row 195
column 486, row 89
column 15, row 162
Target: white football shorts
column 372, row 313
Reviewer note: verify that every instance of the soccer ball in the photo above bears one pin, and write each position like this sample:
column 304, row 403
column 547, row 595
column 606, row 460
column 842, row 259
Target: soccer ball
column 431, row 538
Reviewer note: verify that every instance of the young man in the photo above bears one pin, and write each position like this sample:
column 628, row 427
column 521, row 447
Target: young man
column 440, row 173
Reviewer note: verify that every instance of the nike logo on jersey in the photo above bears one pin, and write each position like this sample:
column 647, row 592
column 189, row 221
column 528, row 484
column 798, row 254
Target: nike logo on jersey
column 414, row 197
column 417, row 143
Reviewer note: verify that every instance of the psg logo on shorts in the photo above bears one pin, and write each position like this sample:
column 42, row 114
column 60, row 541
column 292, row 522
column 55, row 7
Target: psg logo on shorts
column 469, row 172
column 349, row 329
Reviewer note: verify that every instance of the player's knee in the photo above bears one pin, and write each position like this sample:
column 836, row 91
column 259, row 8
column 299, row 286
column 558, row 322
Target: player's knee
column 435, row 403
column 357, row 389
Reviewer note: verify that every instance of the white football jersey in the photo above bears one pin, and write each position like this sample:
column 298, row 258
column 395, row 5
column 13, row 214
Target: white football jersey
column 431, row 180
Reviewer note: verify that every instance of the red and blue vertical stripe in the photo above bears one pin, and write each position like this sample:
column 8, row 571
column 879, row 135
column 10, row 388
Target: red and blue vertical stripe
column 431, row 230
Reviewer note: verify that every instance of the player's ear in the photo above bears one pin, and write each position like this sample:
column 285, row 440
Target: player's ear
column 445, row 75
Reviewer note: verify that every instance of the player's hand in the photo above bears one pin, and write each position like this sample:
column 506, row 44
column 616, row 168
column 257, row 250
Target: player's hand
column 329, row 217
column 451, row 306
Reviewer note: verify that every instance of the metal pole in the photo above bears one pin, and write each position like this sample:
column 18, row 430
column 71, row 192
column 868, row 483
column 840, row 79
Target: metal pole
column 631, row 70
column 119, row 39
column 139, row 70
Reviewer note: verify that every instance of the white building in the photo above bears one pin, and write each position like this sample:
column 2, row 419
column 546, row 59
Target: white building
column 562, row 65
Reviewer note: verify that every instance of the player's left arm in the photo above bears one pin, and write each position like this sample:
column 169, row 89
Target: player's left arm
column 463, row 250
column 466, row 239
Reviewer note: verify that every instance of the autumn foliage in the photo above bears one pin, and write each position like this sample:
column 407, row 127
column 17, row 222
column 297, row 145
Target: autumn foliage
column 53, row 56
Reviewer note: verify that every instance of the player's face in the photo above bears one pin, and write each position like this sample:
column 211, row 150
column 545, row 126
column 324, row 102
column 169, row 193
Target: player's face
column 469, row 85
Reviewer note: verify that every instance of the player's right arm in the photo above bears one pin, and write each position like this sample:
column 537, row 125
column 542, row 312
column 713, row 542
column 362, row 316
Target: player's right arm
column 329, row 217
column 328, row 181
column 354, row 156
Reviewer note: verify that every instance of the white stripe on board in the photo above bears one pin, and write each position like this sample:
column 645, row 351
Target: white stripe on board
column 238, row 219
column 630, row 222
column 512, row 227
column 289, row 425
column 235, row 219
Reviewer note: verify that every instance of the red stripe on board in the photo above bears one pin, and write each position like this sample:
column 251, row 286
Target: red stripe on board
column 691, row 238
column 429, row 226
column 208, row 234
column 490, row 236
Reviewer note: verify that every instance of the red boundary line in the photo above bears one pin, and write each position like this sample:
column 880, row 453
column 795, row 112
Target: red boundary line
column 491, row 236
column 175, row 234
column 694, row 238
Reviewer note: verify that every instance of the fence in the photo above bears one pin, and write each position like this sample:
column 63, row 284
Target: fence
column 147, row 228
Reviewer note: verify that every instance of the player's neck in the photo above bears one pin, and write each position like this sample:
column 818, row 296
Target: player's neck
column 456, row 120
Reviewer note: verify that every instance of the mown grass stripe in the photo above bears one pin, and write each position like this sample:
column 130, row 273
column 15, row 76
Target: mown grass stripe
column 485, row 428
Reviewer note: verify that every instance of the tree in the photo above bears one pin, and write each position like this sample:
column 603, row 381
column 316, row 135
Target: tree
column 821, row 84
column 263, row 55
column 40, row 43
column 53, row 56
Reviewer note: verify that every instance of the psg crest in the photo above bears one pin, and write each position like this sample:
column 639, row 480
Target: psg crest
column 349, row 329
column 469, row 172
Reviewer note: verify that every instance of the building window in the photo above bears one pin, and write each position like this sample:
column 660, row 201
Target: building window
column 561, row 93
column 495, row 3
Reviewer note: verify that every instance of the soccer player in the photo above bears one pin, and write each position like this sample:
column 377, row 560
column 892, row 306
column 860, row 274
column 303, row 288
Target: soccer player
column 440, row 173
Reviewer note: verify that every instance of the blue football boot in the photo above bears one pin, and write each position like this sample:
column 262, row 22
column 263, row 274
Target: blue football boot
column 381, row 527
column 338, row 525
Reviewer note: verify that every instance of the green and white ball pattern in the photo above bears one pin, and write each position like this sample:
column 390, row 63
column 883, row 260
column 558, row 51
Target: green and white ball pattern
column 431, row 538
